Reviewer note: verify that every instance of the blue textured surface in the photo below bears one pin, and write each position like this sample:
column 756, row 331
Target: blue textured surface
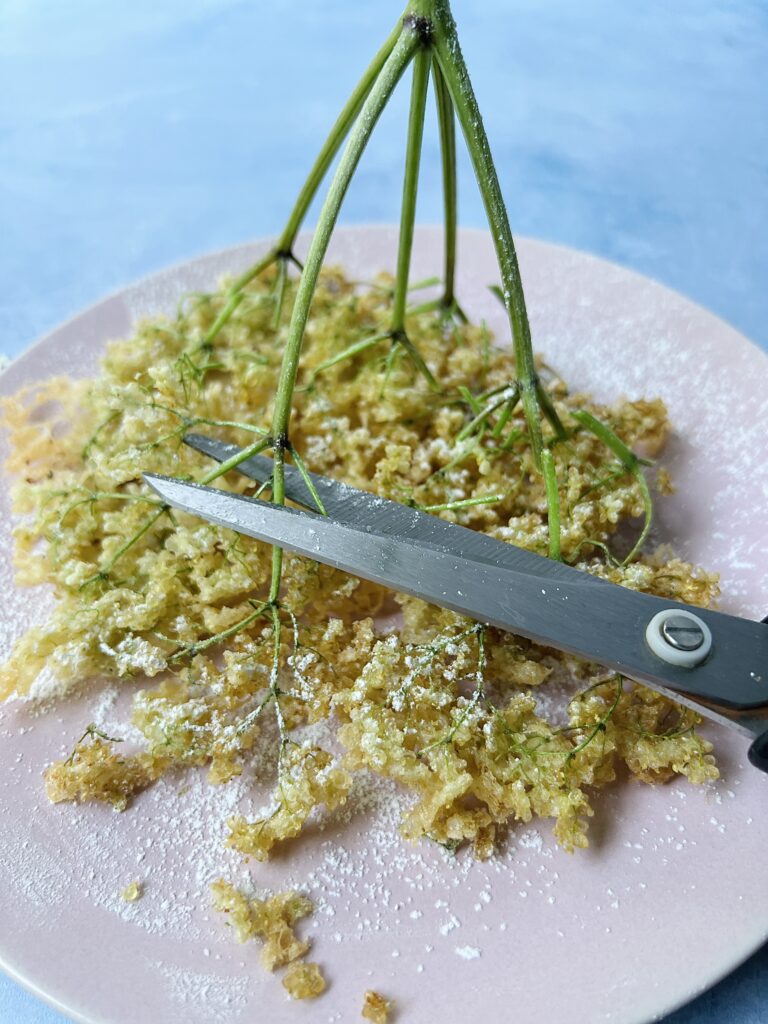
column 136, row 135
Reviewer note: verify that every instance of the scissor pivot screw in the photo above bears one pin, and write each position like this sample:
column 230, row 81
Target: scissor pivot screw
column 683, row 633
column 679, row 637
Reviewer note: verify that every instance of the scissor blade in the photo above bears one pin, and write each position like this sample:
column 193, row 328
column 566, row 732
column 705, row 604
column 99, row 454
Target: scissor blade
column 598, row 621
column 358, row 508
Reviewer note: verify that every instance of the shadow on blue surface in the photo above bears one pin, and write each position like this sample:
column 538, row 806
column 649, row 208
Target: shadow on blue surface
column 741, row 999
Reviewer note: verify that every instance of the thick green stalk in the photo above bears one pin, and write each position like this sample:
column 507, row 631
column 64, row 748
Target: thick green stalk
column 421, row 63
column 447, row 126
column 451, row 63
column 393, row 68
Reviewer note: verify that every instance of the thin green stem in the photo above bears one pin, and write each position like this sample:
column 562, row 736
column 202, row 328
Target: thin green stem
column 107, row 568
column 601, row 724
column 631, row 463
column 352, row 350
column 453, row 68
column 376, row 100
column 274, row 685
column 590, row 541
column 451, row 506
column 503, row 420
column 94, row 496
column 480, row 419
column 280, row 287
column 548, row 408
column 190, row 650
column 446, row 121
column 553, row 503
column 421, row 63
column 470, row 399
column 226, row 423
column 234, row 460
column 508, row 399
column 236, row 296
column 310, row 484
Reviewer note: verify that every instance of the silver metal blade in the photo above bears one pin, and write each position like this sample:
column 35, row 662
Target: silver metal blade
column 358, row 508
column 595, row 620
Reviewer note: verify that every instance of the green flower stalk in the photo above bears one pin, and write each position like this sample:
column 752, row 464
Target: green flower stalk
column 426, row 37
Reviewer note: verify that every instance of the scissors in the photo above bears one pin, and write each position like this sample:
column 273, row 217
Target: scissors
column 715, row 663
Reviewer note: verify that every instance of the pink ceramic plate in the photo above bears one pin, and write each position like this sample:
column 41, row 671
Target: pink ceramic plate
column 673, row 891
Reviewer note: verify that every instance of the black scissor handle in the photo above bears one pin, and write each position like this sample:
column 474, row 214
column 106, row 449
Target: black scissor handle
column 758, row 752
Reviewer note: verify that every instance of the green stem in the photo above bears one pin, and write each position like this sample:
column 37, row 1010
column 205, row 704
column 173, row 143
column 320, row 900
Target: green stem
column 631, row 463
column 453, row 68
column 236, row 296
column 282, row 281
column 548, row 408
column 352, row 350
column 234, row 460
column 601, row 724
column 470, row 399
column 447, row 125
column 553, row 503
column 190, row 650
column 506, row 415
column 480, row 419
column 308, row 481
column 421, row 63
column 107, row 568
column 451, row 506
column 274, row 686
column 94, row 496
column 376, row 100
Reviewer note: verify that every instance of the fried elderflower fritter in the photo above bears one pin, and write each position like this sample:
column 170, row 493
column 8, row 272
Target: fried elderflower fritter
column 304, row 981
column 454, row 711
column 95, row 772
column 375, row 1008
column 271, row 920
column 131, row 892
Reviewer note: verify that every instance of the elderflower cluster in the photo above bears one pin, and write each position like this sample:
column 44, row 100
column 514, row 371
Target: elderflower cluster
column 449, row 709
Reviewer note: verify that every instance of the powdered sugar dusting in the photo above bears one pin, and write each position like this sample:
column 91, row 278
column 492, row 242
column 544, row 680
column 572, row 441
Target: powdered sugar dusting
column 223, row 998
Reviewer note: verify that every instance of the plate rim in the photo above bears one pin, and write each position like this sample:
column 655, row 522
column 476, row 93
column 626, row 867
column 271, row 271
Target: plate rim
column 305, row 235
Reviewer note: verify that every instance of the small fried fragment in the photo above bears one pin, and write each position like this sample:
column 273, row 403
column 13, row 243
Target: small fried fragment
column 376, row 1008
column 95, row 772
column 131, row 892
column 304, row 981
column 271, row 920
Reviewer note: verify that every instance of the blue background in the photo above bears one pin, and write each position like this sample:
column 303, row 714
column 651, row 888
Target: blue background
column 133, row 135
